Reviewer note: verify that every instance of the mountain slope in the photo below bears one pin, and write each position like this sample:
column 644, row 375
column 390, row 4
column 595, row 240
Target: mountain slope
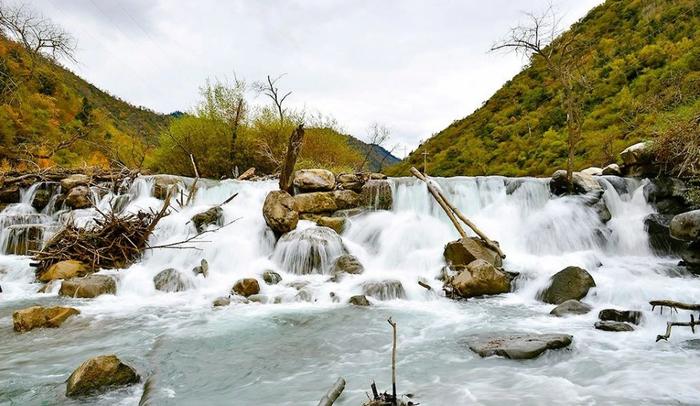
column 643, row 69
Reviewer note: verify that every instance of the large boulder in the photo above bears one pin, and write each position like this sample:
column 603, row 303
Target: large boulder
column 686, row 226
column 570, row 307
column 351, row 181
column 326, row 202
column 347, row 264
column 39, row 316
column 280, row 212
column 384, row 290
column 171, row 280
column 638, row 160
column 89, row 286
column 213, row 216
column 99, row 374
column 628, row 316
column 570, row 283
column 668, row 195
column 612, row 170
column 376, row 195
column 246, row 287
column 658, row 226
column 518, row 345
column 359, row 300
column 314, row 180
column 74, row 180
column 79, row 198
column 691, row 256
column 464, row 251
column 480, row 278
column 583, row 183
column 65, row 270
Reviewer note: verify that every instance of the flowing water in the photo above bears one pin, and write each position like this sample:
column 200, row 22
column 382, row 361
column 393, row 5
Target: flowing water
column 291, row 349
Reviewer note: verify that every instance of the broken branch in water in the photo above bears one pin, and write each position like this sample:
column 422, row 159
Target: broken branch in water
column 333, row 393
column 178, row 244
column 673, row 305
column 452, row 211
column 670, row 325
column 393, row 362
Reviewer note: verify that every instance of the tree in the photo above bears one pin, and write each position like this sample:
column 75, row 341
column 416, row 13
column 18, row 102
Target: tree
column 270, row 89
column 39, row 35
column 377, row 136
column 562, row 56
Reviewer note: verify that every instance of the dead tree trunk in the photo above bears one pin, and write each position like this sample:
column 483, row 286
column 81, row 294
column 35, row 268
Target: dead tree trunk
column 333, row 393
column 452, row 211
column 290, row 159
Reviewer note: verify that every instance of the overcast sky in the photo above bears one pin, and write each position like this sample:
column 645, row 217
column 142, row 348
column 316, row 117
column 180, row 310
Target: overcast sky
column 413, row 65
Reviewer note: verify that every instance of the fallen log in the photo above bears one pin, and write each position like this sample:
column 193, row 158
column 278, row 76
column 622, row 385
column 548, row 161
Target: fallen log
column 452, row 211
column 333, row 393
column 673, row 305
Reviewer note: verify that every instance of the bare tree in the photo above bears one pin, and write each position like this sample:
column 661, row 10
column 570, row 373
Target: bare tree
column 540, row 39
column 377, row 135
column 270, row 89
column 39, row 35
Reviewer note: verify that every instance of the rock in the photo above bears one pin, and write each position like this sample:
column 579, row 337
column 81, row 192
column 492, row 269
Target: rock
column 615, row 326
column 359, row 300
column 686, row 226
column 246, row 287
column 376, row 194
column 75, row 180
column 249, row 173
column 336, row 223
column 65, row 270
column 213, row 216
column 347, row 213
column 79, row 198
column 311, row 250
column 89, row 286
column 258, row 298
column 38, row 316
column 171, row 280
column 202, row 268
column 162, row 184
column 314, row 180
column 569, row 307
column 570, row 283
column 658, row 227
column 593, row 171
column 10, row 194
column 377, row 176
column 668, row 195
column 480, row 278
column 628, row 316
column 691, row 256
column 637, row 155
column 326, row 202
column 41, row 199
column 350, row 181
column 347, row 264
column 518, row 345
column 612, row 170
column 466, row 250
column 271, row 277
column 583, row 183
column 20, row 239
column 384, row 290
column 693, row 344
column 280, row 212
column 98, row 374
column 221, row 301
column 601, row 210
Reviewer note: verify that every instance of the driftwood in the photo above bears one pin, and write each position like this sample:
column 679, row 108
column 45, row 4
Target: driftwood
column 452, row 211
column 674, row 306
column 290, row 159
column 393, row 362
column 333, row 393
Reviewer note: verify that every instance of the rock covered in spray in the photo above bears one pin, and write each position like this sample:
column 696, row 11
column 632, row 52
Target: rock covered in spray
column 570, row 283
column 99, row 374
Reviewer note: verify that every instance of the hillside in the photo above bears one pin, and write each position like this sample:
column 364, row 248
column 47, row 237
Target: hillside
column 643, row 70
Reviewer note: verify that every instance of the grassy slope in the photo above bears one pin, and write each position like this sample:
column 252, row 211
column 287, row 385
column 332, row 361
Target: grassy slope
column 644, row 70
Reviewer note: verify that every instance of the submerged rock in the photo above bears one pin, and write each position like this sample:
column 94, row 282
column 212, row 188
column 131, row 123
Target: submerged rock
column 21, row 239
column 202, row 268
column 314, row 180
column 98, row 374
column 41, row 199
column 570, row 283
column 213, row 216
column 221, row 301
column 614, row 326
column 480, row 278
column 667, row 195
column 465, row 250
column 65, row 270
column 246, row 287
column 384, row 290
column 359, row 300
column 271, row 277
column 39, row 316
column 280, row 212
column 570, row 307
column 629, row 316
column 658, row 227
column 376, row 194
column 171, row 280
column 517, row 346
column 307, row 251
column 79, row 198
column 347, row 264
column 89, row 286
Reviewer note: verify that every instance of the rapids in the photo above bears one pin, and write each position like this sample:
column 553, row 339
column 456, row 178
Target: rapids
column 290, row 350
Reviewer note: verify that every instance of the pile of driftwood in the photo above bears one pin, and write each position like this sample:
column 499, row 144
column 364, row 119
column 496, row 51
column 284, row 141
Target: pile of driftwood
column 112, row 242
column 55, row 174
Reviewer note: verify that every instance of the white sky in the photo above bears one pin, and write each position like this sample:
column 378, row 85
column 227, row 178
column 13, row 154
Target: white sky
column 412, row 65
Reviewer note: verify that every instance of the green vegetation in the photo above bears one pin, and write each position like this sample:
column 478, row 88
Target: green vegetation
column 642, row 71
